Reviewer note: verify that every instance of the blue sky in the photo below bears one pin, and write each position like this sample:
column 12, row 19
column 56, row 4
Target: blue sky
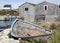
column 16, row 3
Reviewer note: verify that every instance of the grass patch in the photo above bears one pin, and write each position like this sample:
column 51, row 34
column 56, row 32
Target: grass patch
column 9, row 35
column 55, row 37
column 52, row 26
column 56, row 33
column 11, row 12
column 31, row 41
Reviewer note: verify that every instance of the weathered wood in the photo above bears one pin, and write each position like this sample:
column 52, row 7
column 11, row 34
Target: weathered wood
column 26, row 30
column 51, row 14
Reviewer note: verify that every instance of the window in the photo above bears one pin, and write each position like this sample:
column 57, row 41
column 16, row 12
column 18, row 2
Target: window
column 59, row 6
column 26, row 9
column 45, row 7
column 40, row 17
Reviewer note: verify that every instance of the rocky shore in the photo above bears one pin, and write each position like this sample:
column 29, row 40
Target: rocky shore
column 4, row 37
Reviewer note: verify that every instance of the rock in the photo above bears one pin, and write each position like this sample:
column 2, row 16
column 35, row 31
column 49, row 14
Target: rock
column 5, row 39
column 6, row 32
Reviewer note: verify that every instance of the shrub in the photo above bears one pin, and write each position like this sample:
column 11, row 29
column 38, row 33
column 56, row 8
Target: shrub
column 41, row 41
column 53, row 26
column 6, row 19
column 55, row 37
column 26, row 42
column 33, row 41
column 10, row 36
column 45, row 26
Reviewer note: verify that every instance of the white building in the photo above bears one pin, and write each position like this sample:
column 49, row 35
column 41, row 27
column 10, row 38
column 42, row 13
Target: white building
column 7, row 7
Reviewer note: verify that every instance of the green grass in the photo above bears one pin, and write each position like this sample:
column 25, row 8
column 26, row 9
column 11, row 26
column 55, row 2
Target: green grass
column 9, row 35
column 56, row 34
column 11, row 12
column 55, row 37
column 31, row 41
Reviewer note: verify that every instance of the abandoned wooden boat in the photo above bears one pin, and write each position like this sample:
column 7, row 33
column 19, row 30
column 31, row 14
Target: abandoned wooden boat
column 23, row 29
